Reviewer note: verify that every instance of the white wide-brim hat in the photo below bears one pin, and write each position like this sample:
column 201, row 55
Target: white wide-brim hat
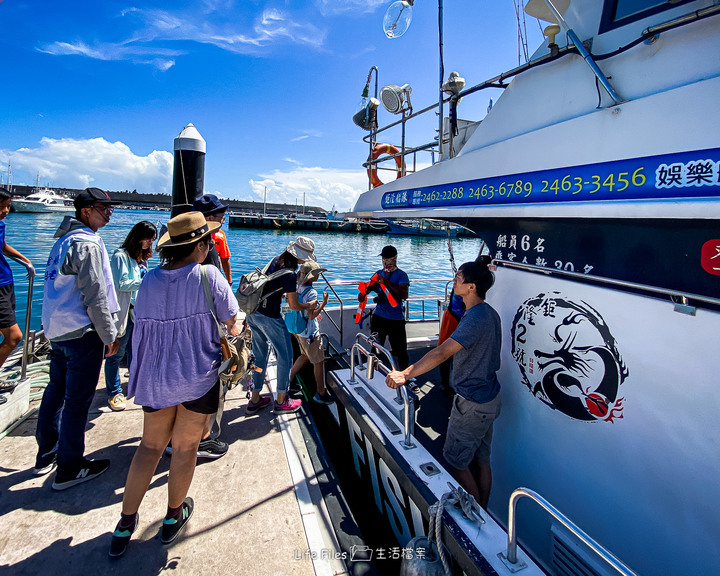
column 303, row 248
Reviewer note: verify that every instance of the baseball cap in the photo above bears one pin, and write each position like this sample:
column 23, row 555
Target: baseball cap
column 90, row 196
column 388, row 252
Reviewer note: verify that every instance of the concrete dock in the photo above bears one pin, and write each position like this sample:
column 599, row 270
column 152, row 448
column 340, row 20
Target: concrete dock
column 258, row 509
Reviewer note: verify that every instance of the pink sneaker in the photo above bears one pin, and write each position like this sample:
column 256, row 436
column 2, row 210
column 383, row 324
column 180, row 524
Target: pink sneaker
column 288, row 407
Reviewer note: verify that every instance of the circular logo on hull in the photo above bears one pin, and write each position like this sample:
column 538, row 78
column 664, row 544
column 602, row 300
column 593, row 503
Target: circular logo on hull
column 568, row 358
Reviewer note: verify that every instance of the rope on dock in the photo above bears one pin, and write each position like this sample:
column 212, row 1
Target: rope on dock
column 470, row 509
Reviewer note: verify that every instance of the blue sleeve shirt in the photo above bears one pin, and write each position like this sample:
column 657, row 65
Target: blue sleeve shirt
column 6, row 276
column 384, row 308
column 475, row 366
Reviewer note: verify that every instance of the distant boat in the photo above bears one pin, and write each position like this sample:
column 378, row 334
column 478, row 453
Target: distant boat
column 421, row 227
column 44, row 200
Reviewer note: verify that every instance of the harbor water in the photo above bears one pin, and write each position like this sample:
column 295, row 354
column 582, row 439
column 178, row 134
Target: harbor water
column 347, row 256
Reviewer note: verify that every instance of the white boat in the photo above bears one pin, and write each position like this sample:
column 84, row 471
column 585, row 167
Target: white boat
column 594, row 181
column 44, row 200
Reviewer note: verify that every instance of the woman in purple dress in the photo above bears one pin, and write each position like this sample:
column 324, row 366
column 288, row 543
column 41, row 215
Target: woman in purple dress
column 173, row 376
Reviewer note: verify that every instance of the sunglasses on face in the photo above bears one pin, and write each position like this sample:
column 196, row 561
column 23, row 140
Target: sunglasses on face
column 104, row 209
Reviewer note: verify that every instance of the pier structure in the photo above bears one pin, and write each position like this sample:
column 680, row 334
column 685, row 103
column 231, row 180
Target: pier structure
column 258, row 510
column 280, row 222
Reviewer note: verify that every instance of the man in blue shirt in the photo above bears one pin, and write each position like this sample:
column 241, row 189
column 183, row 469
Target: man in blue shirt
column 388, row 320
column 8, row 325
column 475, row 344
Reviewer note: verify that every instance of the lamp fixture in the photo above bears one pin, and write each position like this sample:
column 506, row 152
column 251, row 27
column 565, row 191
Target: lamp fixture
column 397, row 18
column 394, row 98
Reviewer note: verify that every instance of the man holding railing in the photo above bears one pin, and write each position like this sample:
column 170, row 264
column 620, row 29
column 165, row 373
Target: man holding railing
column 9, row 329
column 475, row 345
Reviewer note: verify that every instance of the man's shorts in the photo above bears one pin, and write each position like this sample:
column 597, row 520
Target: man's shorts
column 7, row 306
column 208, row 403
column 313, row 350
column 469, row 432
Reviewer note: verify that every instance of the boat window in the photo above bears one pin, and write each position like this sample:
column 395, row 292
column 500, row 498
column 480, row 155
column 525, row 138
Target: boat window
column 617, row 13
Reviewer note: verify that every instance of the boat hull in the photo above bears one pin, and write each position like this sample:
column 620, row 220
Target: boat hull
column 38, row 207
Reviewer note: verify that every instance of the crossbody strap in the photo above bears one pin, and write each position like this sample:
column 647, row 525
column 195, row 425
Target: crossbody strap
column 209, row 298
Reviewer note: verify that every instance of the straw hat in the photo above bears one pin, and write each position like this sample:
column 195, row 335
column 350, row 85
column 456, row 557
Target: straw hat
column 303, row 248
column 187, row 228
column 310, row 271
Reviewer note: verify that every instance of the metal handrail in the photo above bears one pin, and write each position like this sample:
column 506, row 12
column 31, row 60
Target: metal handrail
column 402, row 393
column 603, row 553
column 331, row 284
column 31, row 276
column 684, row 296
column 342, row 308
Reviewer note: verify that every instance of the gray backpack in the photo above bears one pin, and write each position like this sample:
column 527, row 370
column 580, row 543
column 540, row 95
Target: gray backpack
column 250, row 291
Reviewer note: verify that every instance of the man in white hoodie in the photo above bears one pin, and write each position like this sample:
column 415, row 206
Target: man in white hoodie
column 79, row 306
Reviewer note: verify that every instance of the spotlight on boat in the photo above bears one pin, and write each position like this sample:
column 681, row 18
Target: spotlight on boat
column 454, row 84
column 394, row 98
column 397, row 18
column 540, row 10
column 366, row 117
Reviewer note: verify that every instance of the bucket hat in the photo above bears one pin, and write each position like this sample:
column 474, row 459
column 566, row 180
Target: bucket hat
column 209, row 204
column 303, row 248
column 90, row 196
column 310, row 271
column 187, row 228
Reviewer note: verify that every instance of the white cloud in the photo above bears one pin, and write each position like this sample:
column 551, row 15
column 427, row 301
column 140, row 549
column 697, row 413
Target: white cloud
column 327, row 7
column 73, row 163
column 322, row 187
column 111, row 51
column 219, row 25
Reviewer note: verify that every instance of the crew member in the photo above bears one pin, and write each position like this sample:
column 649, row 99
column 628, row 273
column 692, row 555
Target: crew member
column 388, row 320
column 475, row 343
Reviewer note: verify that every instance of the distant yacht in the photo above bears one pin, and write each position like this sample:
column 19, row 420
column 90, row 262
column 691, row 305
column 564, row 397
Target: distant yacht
column 44, row 200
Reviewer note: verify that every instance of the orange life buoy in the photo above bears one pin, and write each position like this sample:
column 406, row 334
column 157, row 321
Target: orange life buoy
column 377, row 150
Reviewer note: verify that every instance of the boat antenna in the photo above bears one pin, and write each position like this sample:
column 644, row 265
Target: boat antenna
column 521, row 29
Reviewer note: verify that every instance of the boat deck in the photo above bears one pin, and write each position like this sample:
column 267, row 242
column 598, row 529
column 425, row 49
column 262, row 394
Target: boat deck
column 258, row 510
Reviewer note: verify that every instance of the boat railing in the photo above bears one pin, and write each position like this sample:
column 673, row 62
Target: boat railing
column 680, row 299
column 427, row 312
column 511, row 559
column 373, row 363
column 574, row 46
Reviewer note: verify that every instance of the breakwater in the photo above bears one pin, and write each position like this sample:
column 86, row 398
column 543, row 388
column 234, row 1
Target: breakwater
column 305, row 223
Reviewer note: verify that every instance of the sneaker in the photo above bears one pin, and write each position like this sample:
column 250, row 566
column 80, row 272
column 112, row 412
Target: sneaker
column 254, row 407
column 212, row 449
column 295, row 387
column 324, row 399
column 117, row 402
column 45, row 464
column 90, row 469
column 121, row 538
column 168, row 449
column 288, row 407
column 171, row 526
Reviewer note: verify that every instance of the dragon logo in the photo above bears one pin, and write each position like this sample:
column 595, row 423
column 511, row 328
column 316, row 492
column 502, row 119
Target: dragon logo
column 568, row 358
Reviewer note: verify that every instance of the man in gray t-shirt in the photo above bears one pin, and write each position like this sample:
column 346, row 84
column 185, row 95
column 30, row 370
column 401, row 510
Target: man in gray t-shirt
column 475, row 344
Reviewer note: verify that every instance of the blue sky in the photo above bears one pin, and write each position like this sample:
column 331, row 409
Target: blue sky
column 95, row 92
